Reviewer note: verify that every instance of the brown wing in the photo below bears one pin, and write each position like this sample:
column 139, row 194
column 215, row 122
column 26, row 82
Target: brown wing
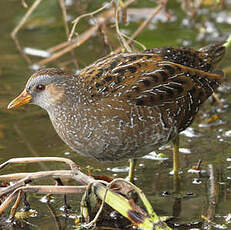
column 170, row 82
column 146, row 80
column 115, row 73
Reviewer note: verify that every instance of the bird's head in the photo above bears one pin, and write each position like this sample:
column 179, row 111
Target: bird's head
column 44, row 88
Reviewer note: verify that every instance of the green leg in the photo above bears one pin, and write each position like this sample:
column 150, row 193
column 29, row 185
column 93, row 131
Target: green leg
column 132, row 165
column 176, row 159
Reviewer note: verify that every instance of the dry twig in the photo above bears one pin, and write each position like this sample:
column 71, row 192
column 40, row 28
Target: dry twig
column 143, row 25
column 116, row 201
column 70, row 45
column 76, row 21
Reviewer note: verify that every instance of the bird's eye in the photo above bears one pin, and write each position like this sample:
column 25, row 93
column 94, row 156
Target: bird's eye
column 40, row 87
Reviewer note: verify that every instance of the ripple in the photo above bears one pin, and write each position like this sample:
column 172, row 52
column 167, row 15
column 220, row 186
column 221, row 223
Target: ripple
column 227, row 133
column 190, row 132
column 196, row 181
column 118, row 169
column 185, row 150
column 196, row 171
column 154, row 156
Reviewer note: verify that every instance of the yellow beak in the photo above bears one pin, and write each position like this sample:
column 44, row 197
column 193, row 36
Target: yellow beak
column 23, row 98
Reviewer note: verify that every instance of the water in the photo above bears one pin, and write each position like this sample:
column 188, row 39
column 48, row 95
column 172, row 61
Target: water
column 27, row 131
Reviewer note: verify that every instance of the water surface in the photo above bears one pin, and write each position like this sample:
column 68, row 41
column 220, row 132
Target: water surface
column 28, row 131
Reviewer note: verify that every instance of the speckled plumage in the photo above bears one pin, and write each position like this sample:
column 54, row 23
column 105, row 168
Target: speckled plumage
column 126, row 105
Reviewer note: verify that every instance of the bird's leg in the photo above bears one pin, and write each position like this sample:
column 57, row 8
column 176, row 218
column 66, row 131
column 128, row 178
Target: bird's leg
column 176, row 159
column 132, row 164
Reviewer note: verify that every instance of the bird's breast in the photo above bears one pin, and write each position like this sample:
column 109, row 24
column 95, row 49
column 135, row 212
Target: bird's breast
column 113, row 133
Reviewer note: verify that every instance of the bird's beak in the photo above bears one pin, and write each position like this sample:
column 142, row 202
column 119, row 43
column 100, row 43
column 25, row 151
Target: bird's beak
column 23, row 98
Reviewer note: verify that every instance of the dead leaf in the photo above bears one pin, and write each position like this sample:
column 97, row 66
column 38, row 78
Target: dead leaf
column 213, row 118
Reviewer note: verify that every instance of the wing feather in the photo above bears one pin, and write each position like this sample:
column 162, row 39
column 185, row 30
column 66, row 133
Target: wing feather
column 147, row 80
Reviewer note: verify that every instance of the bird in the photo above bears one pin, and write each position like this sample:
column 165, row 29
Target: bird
column 123, row 106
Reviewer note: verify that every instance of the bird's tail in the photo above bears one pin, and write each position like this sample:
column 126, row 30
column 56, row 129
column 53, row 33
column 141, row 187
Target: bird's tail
column 213, row 54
